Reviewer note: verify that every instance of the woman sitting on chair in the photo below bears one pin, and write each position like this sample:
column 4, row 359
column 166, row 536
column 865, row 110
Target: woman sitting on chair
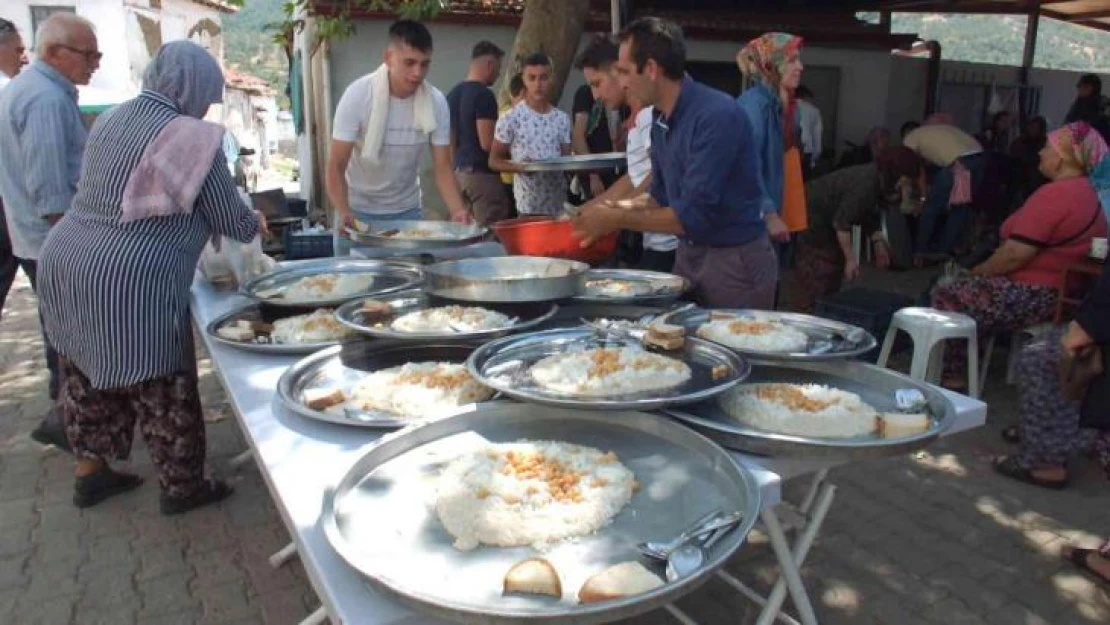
column 1018, row 285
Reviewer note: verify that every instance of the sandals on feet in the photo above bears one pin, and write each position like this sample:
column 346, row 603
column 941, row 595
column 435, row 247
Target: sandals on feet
column 96, row 487
column 1009, row 467
column 1011, row 434
column 212, row 491
column 1078, row 557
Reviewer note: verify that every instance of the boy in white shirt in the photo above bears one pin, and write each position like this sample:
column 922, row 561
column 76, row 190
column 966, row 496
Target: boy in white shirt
column 381, row 182
column 534, row 130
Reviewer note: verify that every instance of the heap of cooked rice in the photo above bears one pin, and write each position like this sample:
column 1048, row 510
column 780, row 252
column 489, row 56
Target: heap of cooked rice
column 609, row 287
column 418, row 389
column 609, row 371
column 800, row 409
column 328, row 285
column 754, row 335
column 530, row 493
column 445, row 319
column 311, row 328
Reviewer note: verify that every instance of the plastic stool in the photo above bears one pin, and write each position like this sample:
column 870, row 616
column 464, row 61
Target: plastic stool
column 929, row 328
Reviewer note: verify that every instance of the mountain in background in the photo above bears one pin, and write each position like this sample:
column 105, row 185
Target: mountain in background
column 248, row 43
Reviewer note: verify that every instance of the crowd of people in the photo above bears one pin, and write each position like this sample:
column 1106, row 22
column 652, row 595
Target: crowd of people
column 714, row 188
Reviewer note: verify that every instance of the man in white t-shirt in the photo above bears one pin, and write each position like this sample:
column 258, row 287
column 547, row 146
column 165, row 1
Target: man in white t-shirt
column 598, row 62
column 533, row 130
column 381, row 182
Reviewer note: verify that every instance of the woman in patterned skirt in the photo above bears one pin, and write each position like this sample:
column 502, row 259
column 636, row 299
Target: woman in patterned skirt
column 115, row 280
column 1017, row 286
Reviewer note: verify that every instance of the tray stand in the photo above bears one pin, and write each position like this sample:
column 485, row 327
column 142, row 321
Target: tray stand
column 806, row 519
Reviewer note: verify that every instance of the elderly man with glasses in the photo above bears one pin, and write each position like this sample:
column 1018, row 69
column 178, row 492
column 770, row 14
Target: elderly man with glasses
column 42, row 139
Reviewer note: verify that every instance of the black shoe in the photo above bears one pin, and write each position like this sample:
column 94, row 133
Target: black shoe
column 212, row 491
column 51, row 431
column 95, row 488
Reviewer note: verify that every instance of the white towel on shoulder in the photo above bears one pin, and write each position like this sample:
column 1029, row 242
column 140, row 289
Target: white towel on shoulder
column 424, row 115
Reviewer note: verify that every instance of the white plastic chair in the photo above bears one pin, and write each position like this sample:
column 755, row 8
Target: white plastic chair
column 930, row 328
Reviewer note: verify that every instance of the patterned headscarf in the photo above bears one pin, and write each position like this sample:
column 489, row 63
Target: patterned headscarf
column 187, row 74
column 1082, row 147
column 764, row 60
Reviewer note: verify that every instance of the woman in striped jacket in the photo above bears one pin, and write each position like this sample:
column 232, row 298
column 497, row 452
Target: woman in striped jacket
column 115, row 279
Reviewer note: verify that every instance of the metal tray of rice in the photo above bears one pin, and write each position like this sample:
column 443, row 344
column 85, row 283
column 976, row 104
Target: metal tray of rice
column 663, row 477
column 837, row 399
column 632, row 286
column 765, row 335
column 417, row 234
column 279, row 331
column 382, row 384
column 329, row 282
column 415, row 316
column 580, row 368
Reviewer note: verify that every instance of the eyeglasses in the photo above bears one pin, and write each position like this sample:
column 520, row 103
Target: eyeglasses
column 90, row 55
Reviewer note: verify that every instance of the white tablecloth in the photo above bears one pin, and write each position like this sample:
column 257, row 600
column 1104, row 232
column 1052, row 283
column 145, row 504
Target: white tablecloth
column 300, row 458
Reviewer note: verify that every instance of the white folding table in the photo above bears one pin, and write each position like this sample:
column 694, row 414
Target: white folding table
column 300, row 459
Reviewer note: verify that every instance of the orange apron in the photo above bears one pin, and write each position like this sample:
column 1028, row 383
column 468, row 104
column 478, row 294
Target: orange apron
column 794, row 212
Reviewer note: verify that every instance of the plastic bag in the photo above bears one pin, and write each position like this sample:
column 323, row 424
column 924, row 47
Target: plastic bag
column 225, row 261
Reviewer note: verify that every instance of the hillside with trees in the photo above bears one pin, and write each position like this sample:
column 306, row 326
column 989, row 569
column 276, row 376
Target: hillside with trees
column 249, row 43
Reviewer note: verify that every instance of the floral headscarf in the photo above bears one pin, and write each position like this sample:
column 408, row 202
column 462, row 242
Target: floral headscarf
column 764, row 60
column 1082, row 147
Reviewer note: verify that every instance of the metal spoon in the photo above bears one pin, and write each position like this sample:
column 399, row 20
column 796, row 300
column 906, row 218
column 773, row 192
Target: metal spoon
column 684, row 561
column 662, row 550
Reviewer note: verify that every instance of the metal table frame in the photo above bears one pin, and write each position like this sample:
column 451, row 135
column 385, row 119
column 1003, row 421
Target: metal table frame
column 248, row 379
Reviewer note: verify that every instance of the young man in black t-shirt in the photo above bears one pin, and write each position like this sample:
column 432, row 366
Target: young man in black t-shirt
column 473, row 118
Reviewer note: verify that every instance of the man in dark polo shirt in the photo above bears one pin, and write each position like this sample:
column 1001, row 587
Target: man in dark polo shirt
column 473, row 118
column 704, row 184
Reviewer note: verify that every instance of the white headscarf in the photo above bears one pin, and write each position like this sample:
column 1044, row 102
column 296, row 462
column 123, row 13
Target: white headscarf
column 187, row 74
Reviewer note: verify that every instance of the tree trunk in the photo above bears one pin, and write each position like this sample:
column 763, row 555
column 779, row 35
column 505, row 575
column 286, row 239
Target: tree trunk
column 553, row 27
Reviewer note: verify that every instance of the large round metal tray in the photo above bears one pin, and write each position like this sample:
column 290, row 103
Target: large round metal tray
column 407, row 554
column 451, row 234
column 875, row 385
column 344, row 365
column 529, row 315
column 571, row 315
column 665, row 287
column 577, row 162
column 505, row 279
column 253, row 312
column 390, row 277
column 504, row 364
column 828, row 339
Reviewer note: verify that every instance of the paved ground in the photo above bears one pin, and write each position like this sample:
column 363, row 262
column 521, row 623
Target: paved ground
column 930, row 539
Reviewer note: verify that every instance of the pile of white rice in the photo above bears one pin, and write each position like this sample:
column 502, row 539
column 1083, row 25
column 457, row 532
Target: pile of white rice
column 609, row 287
column 447, row 319
column 609, row 371
column 530, row 493
column 311, row 328
column 801, row 409
column 328, row 286
column 417, row 390
column 425, row 233
column 754, row 335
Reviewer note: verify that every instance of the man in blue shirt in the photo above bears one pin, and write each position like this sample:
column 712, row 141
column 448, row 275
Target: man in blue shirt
column 705, row 187
column 42, row 139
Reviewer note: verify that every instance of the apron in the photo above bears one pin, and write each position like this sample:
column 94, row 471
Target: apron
column 794, row 212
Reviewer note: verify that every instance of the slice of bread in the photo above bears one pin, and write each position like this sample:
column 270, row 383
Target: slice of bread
column 534, row 576
column 667, row 343
column 667, row 330
column 373, row 310
column 323, row 398
column 236, row 333
column 715, row 315
column 270, row 294
column 898, row 424
column 620, row 580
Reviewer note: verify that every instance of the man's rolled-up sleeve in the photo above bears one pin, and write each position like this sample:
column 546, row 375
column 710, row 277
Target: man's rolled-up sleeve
column 46, row 157
column 713, row 152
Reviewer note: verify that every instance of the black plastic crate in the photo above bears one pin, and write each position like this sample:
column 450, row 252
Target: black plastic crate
column 300, row 246
column 867, row 308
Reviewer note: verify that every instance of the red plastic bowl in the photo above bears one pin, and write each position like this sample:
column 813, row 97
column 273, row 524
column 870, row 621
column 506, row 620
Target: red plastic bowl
column 550, row 237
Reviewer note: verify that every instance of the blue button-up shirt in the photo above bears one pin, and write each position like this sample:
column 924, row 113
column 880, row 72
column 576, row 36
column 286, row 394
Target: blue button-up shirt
column 764, row 111
column 42, row 138
column 705, row 167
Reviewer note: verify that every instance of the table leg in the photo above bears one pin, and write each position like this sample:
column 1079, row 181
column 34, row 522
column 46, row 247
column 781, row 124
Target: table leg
column 240, row 459
column 790, row 563
column 811, row 495
column 754, row 596
column 319, row 617
column 283, row 555
column 679, row 614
